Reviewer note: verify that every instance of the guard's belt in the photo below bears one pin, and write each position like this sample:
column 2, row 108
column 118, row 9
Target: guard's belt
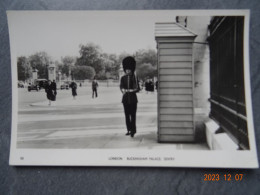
column 129, row 90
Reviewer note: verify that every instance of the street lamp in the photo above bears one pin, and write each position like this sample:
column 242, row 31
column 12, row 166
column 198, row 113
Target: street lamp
column 107, row 77
column 51, row 72
column 59, row 75
column 47, row 71
column 35, row 74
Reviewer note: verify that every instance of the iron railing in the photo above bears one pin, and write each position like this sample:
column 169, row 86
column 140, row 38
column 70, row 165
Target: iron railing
column 227, row 96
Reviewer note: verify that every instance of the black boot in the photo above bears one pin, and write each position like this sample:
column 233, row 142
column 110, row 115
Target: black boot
column 128, row 133
column 133, row 133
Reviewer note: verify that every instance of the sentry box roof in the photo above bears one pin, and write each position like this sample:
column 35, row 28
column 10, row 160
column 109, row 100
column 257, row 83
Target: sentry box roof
column 172, row 30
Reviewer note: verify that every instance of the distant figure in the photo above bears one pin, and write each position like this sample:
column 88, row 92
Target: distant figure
column 74, row 86
column 80, row 84
column 141, row 85
column 94, row 87
column 156, row 85
column 149, row 86
column 54, row 85
column 129, row 86
column 146, row 85
column 51, row 92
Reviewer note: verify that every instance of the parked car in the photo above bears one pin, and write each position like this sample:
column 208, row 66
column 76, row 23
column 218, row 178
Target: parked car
column 33, row 87
column 38, row 85
column 20, row 84
column 65, row 85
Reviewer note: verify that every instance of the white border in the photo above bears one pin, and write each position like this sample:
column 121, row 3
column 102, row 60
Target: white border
column 102, row 157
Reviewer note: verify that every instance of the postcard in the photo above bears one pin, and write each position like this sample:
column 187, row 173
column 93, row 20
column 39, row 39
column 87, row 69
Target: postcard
column 154, row 88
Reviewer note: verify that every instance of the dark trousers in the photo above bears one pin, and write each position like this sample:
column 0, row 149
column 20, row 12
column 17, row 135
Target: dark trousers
column 94, row 91
column 130, row 116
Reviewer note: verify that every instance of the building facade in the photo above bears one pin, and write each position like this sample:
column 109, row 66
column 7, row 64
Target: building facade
column 216, row 76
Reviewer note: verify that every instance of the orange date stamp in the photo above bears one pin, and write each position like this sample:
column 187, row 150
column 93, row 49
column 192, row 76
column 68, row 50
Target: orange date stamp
column 224, row 177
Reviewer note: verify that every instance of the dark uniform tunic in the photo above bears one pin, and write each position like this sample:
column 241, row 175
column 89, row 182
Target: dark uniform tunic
column 130, row 84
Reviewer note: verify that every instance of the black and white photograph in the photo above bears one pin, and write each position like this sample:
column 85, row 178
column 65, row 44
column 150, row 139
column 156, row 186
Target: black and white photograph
column 164, row 88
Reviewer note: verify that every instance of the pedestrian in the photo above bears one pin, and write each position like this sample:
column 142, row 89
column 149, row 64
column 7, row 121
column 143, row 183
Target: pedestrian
column 74, row 86
column 147, row 86
column 151, row 85
column 51, row 92
column 54, row 86
column 141, row 85
column 129, row 86
column 94, row 87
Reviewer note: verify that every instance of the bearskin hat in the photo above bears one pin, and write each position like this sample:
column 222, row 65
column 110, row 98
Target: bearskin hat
column 129, row 63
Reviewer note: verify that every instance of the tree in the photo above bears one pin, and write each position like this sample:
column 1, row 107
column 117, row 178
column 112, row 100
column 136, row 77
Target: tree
column 108, row 67
column 146, row 63
column 83, row 72
column 40, row 61
column 146, row 70
column 24, row 69
column 90, row 55
column 146, row 56
column 115, row 65
column 111, row 66
column 67, row 64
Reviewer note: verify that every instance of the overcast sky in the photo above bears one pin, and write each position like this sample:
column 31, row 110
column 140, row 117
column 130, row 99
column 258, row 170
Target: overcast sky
column 60, row 33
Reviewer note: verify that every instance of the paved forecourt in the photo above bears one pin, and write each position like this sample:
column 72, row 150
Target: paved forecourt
column 90, row 123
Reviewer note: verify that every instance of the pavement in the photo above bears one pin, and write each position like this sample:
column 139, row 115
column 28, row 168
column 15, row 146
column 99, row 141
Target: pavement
column 92, row 123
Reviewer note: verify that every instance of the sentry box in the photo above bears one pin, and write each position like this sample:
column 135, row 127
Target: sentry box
column 175, row 77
